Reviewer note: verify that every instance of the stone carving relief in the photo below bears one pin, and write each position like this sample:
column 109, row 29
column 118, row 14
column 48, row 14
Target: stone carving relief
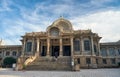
column 64, row 26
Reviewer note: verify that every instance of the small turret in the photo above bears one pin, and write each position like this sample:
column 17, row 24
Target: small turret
column 1, row 42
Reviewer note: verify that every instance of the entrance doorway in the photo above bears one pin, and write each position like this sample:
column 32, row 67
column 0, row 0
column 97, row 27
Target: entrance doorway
column 66, row 50
column 55, row 51
column 44, row 50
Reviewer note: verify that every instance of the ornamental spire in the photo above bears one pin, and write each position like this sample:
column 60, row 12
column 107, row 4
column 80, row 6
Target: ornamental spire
column 61, row 16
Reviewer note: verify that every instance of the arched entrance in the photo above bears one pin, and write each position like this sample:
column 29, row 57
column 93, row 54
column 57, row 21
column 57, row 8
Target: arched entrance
column 55, row 51
column 54, row 47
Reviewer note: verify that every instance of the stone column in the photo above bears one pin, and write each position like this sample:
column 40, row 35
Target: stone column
column 107, row 51
column 61, row 47
column 82, row 45
column 92, row 46
column 41, row 47
column 116, row 55
column 72, row 55
column 98, row 48
column 71, row 40
column 108, row 57
column 24, row 46
column 116, row 51
column 38, row 43
column 48, row 46
column 33, row 41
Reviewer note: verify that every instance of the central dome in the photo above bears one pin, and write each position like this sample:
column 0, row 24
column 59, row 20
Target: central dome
column 62, row 24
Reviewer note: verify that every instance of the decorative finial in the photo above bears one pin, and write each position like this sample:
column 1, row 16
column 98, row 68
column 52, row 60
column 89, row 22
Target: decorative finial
column 61, row 16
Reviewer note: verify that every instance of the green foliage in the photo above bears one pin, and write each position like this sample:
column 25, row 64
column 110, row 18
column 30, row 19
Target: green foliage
column 119, row 64
column 24, row 66
column 8, row 61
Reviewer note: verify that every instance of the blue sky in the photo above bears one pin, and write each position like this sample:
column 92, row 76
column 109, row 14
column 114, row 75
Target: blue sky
column 20, row 16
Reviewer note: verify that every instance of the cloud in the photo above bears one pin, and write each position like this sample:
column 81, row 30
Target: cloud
column 37, row 16
column 106, row 24
column 13, row 32
column 4, row 5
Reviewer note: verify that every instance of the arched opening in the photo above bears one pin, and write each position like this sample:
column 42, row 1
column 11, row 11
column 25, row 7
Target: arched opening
column 54, row 48
column 55, row 51
column 54, row 31
column 76, row 43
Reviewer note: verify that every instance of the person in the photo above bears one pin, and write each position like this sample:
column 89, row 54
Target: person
column 56, row 55
column 14, row 66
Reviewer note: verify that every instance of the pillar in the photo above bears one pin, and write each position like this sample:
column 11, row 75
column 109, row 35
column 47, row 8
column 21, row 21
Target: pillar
column 82, row 45
column 108, row 57
column 24, row 45
column 71, row 40
column 33, row 42
column 48, row 46
column 72, row 55
column 61, row 47
column 41, row 44
column 98, row 48
column 107, row 52
column 38, row 43
column 116, row 54
column 92, row 46
column 116, row 51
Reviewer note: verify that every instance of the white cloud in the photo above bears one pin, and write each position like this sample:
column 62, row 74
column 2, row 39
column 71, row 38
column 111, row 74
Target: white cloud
column 5, row 5
column 42, row 15
column 106, row 24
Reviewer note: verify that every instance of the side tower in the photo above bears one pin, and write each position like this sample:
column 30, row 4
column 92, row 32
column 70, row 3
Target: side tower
column 86, row 48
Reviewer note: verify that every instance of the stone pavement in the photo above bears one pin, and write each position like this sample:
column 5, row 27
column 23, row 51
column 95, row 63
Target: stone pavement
column 113, row 72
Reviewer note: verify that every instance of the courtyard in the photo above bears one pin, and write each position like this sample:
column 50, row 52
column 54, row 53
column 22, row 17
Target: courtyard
column 112, row 72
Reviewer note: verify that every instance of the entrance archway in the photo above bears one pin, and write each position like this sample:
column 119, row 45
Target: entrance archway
column 55, row 51
column 44, row 50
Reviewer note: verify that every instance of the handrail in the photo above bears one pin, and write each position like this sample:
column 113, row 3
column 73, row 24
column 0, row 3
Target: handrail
column 30, row 59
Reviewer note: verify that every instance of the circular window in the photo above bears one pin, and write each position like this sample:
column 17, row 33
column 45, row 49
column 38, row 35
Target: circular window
column 54, row 31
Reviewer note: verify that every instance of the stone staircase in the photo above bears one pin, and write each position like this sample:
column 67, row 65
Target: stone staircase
column 50, row 63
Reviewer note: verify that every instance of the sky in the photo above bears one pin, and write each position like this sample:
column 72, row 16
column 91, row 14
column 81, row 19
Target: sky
column 20, row 16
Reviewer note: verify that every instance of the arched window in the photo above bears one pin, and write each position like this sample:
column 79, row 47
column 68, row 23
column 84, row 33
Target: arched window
column 29, row 47
column 86, row 45
column 111, row 51
column 14, row 53
column 76, row 45
column 103, row 52
column 118, row 51
column 7, row 53
column 54, row 31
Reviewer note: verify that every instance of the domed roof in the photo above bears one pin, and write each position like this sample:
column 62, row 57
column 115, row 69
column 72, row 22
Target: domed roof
column 63, row 24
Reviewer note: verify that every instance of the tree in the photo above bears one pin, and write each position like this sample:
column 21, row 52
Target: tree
column 118, row 64
column 8, row 61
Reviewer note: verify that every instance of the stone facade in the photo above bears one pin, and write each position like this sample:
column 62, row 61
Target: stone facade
column 63, row 48
column 9, row 51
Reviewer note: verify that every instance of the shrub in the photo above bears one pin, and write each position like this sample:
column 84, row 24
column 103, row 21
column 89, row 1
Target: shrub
column 8, row 61
column 119, row 64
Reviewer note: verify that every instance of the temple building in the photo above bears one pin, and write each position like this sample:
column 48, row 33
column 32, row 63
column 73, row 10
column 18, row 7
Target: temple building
column 63, row 48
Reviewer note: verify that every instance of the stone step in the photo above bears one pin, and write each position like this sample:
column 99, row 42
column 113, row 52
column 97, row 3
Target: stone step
column 52, row 58
column 42, row 63
column 44, row 67
column 51, row 63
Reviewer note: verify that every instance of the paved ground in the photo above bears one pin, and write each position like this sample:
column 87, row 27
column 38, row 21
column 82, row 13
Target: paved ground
column 82, row 73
